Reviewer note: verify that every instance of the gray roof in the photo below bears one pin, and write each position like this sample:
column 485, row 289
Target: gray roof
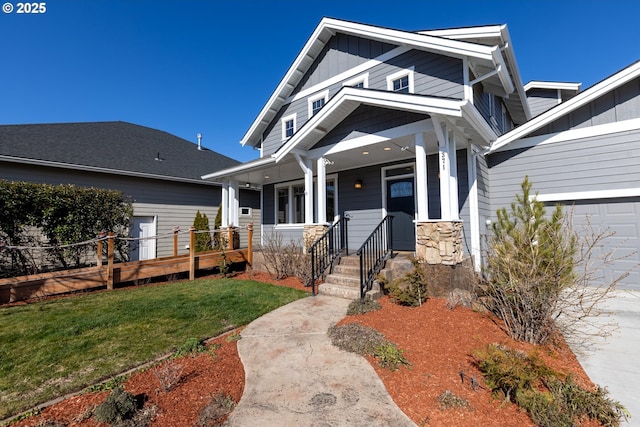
column 112, row 147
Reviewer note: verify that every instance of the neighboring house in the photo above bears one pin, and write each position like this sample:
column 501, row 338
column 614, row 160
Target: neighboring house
column 158, row 171
column 584, row 153
column 371, row 121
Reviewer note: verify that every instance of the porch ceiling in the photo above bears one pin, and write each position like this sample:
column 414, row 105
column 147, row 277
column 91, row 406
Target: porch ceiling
column 358, row 155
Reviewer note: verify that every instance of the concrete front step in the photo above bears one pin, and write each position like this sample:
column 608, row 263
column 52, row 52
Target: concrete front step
column 348, row 292
column 343, row 280
column 347, row 270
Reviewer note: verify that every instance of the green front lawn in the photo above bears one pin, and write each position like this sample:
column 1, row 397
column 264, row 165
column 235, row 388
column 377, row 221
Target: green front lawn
column 55, row 347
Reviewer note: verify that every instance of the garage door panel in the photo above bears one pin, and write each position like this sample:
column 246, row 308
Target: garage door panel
column 621, row 216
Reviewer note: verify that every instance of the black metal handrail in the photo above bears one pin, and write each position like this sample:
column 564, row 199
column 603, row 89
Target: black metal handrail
column 327, row 248
column 373, row 253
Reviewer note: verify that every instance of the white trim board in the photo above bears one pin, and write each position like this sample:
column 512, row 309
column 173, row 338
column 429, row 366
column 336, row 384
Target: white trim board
column 571, row 135
column 588, row 195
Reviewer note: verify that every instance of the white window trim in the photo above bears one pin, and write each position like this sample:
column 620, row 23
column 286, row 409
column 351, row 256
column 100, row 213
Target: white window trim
column 324, row 94
column 402, row 73
column 284, row 125
column 364, row 78
column 249, row 211
column 289, row 186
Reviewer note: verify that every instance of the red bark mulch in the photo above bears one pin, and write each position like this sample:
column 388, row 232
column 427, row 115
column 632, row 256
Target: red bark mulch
column 437, row 341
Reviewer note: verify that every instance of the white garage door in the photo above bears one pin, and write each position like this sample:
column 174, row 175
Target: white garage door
column 623, row 217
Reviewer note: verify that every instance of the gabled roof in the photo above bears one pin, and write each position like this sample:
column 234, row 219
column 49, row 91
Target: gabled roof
column 110, row 147
column 495, row 35
column 597, row 90
column 485, row 57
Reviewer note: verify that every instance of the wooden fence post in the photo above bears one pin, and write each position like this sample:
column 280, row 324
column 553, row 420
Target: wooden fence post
column 250, row 244
column 230, row 238
column 176, row 230
column 192, row 253
column 110, row 261
column 99, row 253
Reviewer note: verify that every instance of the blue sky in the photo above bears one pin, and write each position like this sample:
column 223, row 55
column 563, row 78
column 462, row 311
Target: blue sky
column 189, row 66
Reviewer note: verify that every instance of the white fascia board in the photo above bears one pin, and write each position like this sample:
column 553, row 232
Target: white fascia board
column 573, row 135
column 588, row 195
column 245, row 167
column 401, row 101
column 503, row 71
column 569, row 106
column 509, row 52
column 537, row 84
column 322, row 27
column 97, row 169
column 466, row 32
column 329, row 26
column 471, row 114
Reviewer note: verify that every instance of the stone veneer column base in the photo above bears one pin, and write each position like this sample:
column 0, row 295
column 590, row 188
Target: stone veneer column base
column 439, row 242
column 311, row 233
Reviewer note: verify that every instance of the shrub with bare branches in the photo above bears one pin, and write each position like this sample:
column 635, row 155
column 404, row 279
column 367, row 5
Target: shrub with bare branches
column 541, row 273
column 282, row 261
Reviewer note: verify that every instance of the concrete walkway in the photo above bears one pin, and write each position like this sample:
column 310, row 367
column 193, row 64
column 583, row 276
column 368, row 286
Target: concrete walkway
column 294, row 376
column 615, row 364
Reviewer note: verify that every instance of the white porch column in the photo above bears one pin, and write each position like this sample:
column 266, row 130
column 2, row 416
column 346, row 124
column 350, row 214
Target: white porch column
column 453, row 178
column 444, row 170
column 308, row 193
column 225, row 203
column 421, row 178
column 322, row 191
column 234, row 204
column 305, row 165
column 474, row 223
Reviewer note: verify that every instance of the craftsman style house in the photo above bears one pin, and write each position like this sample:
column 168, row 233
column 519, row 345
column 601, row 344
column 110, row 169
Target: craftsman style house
column 371, row 122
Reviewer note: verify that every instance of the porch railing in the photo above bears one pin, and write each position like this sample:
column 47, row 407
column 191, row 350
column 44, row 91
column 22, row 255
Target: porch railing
column 373, row 253
column 327, row 248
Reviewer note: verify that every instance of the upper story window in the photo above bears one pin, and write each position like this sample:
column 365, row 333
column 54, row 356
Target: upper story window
column 316, row 102
column 362, row 81
column 288, row 126
column 402, row 81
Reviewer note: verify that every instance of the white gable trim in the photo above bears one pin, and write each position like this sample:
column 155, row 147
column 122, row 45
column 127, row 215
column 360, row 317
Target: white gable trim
column 403, row 101
column 329, row 27
column 589, row 195
column 537, row 84
column 572, row 134
column 569, row 106
column 349, row 74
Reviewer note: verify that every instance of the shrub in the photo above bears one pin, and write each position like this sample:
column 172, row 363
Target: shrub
column 540, row 271
column 390, row 356
column 120, row 405
column 191, row 346
column 410, row 290
column 359, row 339
column 219, row 406
column 362, row 306
column 449, row 400
column 282, row 261
column 549, row 400
column 169, row 374
column 202, row 240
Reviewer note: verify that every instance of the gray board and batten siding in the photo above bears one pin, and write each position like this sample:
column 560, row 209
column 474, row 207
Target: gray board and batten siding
column 598, row 163
column 541, row 100
column 620, row 104
column 364, row 206
column 172, row 203
column 434, row 75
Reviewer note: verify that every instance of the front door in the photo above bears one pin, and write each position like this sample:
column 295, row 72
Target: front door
column 401, row 204
column 141, row 228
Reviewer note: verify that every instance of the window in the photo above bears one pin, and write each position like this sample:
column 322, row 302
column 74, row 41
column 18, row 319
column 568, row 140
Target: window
column 402, row 81
column 283, row 205
column 245, row 211
column 288, row 126
column 317, row 102
column 298, row 204
column 362, row 81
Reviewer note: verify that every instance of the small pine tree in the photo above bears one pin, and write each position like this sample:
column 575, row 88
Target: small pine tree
column 202, row 240
column 217, row 223
column 530, row 263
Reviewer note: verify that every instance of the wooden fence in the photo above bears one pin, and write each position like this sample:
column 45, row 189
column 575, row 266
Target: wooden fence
column 45, row 284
